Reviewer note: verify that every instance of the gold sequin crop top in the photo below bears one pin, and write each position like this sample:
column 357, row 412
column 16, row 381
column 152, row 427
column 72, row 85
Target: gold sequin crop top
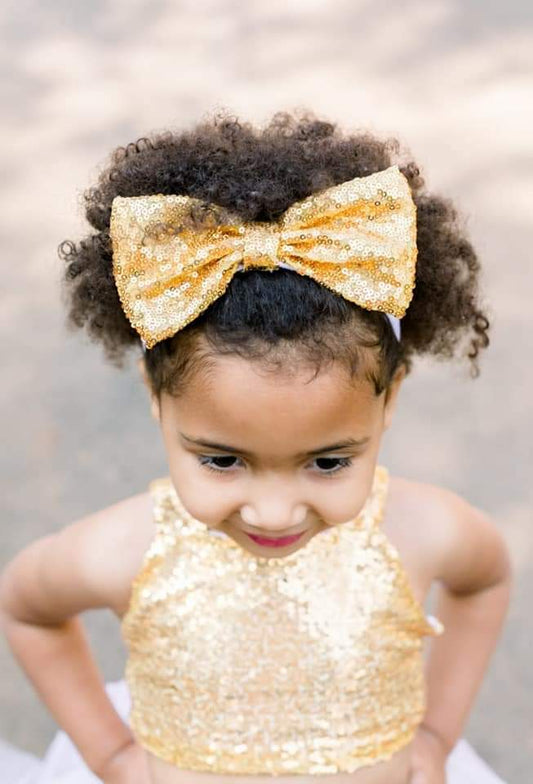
column 309, row 663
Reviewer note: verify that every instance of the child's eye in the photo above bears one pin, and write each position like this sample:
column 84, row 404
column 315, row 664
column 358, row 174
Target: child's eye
column 205, row 460
column 209, row 462
column 342, row 462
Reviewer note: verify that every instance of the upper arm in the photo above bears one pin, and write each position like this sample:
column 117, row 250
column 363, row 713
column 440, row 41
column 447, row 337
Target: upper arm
column 88, row 564
column 467, row 550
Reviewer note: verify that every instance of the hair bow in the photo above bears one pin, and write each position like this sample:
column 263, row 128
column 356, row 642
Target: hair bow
column 357, row 238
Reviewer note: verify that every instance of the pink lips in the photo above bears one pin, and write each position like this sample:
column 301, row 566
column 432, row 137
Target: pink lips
column 279, row 542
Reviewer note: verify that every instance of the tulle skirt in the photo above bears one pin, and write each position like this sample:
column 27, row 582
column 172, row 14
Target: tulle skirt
column 63, row 765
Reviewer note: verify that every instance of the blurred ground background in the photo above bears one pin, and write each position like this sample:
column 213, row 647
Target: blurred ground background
column 451, row 79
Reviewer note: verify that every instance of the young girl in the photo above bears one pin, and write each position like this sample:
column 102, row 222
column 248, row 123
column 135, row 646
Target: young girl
column 270, row 588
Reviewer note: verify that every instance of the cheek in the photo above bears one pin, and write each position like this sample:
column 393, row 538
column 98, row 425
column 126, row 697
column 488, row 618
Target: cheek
column 197, row 491
column 342, row 505
column 342, row 501
column 199, row 505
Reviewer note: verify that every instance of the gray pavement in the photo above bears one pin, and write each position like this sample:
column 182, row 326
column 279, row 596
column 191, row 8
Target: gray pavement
column 452, row 79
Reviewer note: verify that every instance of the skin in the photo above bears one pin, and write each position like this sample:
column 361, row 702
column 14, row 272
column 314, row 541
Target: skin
column 267, row 486
column 92, row 562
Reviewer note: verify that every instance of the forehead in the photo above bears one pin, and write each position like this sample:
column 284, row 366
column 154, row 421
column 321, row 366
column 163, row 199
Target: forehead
column 235, row 397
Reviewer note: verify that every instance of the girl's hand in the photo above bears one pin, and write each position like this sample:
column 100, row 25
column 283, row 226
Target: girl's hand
column 428, row 758
column 128, row 766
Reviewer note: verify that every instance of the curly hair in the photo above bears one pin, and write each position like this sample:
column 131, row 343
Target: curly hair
column 259, row 173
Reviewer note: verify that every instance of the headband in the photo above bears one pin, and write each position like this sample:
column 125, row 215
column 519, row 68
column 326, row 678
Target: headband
column 357, row 238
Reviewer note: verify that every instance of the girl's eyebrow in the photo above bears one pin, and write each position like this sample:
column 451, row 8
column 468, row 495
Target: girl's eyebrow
column 346, row 444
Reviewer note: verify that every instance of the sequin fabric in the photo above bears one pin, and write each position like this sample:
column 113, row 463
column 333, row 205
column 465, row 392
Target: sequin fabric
column 357, row 238
column 309, row 663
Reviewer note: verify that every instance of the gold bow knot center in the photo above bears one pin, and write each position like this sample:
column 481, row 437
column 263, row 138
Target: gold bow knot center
column 260, row 244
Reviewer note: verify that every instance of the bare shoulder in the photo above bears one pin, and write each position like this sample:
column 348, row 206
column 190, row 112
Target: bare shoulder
column 88, row 564
column 115, row 541
column 459, row 544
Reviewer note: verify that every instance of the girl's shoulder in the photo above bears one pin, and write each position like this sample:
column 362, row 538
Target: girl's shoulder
column 452, row 540
column 119, row 540
column 87, row 564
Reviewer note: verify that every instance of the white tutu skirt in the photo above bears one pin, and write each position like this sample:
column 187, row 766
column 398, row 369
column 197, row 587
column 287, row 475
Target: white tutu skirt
column 63, row 765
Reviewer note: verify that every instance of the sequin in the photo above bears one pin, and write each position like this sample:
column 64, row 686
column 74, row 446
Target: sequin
column 310, row 663
column 378, row 236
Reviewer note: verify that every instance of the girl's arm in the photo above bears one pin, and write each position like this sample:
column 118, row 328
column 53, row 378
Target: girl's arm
column 471, row 560
column 88, row 564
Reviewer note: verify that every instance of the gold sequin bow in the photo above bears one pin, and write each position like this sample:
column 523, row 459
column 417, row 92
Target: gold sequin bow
column 357, row 238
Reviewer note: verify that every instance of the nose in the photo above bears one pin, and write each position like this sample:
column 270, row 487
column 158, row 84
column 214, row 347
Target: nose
column 274, row 511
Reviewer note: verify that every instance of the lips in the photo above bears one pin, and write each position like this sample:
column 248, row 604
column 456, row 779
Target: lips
column 280, row 541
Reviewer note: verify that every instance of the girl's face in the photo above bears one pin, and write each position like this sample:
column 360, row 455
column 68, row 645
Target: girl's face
column 251, row 452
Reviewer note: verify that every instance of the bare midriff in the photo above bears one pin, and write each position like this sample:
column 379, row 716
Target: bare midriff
column 392, row 771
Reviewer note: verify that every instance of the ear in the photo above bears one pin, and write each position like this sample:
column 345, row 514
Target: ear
column 392, row 396
column 154, row 402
